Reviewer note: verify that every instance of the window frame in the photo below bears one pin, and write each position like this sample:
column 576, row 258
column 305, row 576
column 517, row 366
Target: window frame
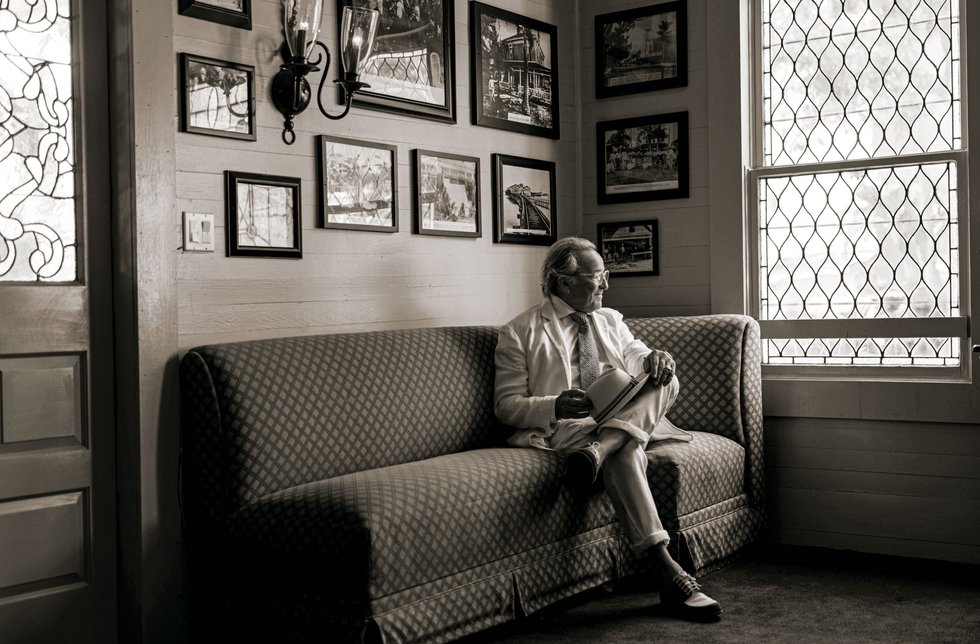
column 956, row 327
column 809, row 395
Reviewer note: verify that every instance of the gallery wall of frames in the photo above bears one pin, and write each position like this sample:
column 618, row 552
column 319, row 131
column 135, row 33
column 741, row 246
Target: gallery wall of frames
column 644, row 105
column 430, row 204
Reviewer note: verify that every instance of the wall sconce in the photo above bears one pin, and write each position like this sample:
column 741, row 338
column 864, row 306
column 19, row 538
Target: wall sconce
column 301, row 23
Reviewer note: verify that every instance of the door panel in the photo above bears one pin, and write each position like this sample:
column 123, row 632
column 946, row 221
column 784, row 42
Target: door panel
column 57, row 441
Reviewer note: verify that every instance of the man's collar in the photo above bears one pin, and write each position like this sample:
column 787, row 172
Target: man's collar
column 561, row 307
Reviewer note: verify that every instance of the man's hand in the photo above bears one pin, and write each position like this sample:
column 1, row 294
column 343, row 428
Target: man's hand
column 572, row 404
column 660, row 365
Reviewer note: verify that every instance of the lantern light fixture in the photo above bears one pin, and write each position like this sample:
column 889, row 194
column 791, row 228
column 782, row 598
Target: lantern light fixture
column 291, row 92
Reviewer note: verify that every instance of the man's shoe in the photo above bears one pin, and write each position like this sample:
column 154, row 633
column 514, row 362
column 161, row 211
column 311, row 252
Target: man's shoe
column 682, row 596
column 582, row 468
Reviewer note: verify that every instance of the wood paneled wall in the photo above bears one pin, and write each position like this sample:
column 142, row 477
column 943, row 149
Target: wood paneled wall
column 354, row 280
column 683, row 286
column 908, row 489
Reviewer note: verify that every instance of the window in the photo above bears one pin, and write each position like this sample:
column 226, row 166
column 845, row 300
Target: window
column 37, row 164
column 853, row 189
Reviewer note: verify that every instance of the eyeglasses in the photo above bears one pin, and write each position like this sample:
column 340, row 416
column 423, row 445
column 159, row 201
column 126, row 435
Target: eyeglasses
column 598, row 276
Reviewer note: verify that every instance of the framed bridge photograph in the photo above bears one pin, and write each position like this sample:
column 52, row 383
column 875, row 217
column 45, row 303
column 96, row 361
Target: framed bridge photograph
column 629, row 248
column 412, row 67
column 514, row 64
column 523, row 201
column 643, row 158
column 641, row 50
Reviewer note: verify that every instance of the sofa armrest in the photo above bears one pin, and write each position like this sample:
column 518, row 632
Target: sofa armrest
column 719, row 369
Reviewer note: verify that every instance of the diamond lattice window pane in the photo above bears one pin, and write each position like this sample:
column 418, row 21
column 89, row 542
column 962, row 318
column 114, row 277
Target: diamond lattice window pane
column 37, row 156
column 859, row 79
column 874, row 352
column 876, row 243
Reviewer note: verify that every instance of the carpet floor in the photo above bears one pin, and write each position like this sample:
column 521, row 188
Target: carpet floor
column 797, row 595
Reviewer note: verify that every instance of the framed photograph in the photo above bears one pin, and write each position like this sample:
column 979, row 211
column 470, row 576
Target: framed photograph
column 629, row 247
column 234, row 13
column 447, row 194
column 217, row 97
column 640, row 50
column 643, row 158
column 412, row 68
column 262, row 215
column 524, row 201
column 514, row 63
column 358, row 184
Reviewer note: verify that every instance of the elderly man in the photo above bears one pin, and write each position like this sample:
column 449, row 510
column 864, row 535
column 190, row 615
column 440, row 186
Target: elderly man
column 547, row 357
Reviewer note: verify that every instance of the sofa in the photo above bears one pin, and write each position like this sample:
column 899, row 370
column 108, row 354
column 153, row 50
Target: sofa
column 357, row 487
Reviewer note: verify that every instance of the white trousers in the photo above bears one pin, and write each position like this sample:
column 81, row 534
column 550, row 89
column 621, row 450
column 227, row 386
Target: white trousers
column 625, row 471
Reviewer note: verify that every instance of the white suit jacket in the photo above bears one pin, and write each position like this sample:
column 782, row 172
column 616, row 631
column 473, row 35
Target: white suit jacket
column 533, row 367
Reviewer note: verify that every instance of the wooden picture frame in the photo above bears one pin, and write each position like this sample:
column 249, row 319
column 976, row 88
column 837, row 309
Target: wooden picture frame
column 358, row 184
column 262, row 215
column 413, row 62
column 524, row 209
column 447, row 194
column 217, row 97
column 629, row 248
column 641, row 50
column 643, row 158
column 499, row 98
column 234, row 13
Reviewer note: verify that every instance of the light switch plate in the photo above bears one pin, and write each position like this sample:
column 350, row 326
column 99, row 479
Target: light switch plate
column 198, row 231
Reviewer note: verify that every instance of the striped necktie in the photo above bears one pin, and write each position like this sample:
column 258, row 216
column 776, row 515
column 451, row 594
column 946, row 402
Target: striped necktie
column 588, row 355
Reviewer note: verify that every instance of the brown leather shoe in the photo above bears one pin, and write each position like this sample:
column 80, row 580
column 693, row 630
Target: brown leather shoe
column 682, row 597
column 582, row 468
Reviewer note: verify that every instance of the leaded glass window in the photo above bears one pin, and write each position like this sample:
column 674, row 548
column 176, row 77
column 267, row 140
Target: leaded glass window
column 37, row 156
column 859, row 148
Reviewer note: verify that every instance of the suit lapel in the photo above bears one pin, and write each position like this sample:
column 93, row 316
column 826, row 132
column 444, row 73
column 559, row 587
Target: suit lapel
column 611, row 348
column 553, row 332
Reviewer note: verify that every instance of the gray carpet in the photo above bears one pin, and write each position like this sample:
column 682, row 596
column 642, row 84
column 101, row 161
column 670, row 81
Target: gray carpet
column 785, row 595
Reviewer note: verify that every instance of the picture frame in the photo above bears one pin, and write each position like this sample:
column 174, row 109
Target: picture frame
column 217, row 97
column 641, row 50
column 262, row 215
column 499, row 99
column 358, row 184
column 412, row 68
column 643, row 158
column 629, row 248
column 234, row 13
column 447, row 194
column 524, row 209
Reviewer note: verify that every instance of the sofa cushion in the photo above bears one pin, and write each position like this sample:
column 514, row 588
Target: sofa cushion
column 377, row 532
column 272, row 414
column 687, row 477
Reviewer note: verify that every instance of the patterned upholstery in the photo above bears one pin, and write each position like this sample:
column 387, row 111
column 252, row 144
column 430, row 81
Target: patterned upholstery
column 687, row 477
column 346, row 487
column 489, row 504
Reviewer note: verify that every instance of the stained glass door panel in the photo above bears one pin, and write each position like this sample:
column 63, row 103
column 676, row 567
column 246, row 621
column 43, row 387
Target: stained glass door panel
column 57, row 484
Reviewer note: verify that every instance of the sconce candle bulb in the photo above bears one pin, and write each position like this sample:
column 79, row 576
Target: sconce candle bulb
column 301, row 24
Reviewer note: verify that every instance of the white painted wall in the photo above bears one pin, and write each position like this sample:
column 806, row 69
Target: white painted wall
column 355, row 280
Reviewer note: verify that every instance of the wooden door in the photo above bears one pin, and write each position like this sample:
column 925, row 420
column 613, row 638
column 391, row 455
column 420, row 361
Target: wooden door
column 57, row 467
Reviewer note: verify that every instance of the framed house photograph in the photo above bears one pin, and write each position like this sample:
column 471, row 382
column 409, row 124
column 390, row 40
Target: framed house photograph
column 412, row 67
column 642, row 49
column 447, row 194
column 524, row 201
column 514, row 63
column 262, row 215
column 217, row 97
column 234, row 13
column 643, row 158
column 629, row 247
column 358, row 184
